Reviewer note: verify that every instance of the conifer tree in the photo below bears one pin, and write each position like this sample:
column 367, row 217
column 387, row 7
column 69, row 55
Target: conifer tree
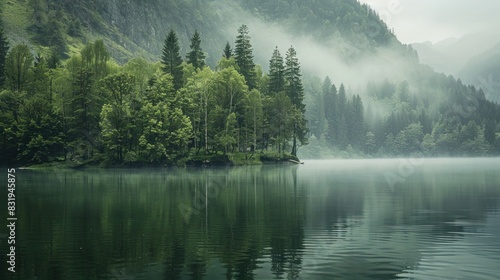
column 276, row 72
column 171, row 59
column 196, row 56
column 228, row 52
column 244, row 56
column 295, row 91
column 340, row 135
column 330, row 107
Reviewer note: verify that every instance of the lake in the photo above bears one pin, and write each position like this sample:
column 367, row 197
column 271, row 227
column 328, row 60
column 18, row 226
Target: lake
column 326, row 219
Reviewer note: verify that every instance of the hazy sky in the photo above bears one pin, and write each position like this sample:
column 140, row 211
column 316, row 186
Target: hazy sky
column 435, row 20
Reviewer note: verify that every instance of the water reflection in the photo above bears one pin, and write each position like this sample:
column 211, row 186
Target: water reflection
column 323, row 220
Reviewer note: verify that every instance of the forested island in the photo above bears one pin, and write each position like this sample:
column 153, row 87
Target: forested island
column 64, row 104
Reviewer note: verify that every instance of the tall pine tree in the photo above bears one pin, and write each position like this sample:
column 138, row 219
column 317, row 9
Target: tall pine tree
column 329, row 106
column 228, row 52
column 196, row 56
column 340, row 133
column 244, row 56
column 276, row 72
column 295, row 91
column 171, row 59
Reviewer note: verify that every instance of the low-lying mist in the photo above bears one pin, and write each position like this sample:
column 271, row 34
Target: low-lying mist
column 323, row 59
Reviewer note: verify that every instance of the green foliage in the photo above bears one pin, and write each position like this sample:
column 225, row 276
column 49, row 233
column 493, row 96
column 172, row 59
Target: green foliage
column 17, row 66
column 370, row 143
column 281, row 121
column 171, row 58
column 295, row 91
column 141, row 70
column 254, row 115
column 243, row 54
column 165, row 128
column 227, row 52
column 196, row 56
column 4, row 48
column 40, row 134
column 276, row 73
column 46, row 25
column 95, row 57
column 91, row 110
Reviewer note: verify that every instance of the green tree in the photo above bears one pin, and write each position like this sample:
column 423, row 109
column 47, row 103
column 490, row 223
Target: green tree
column 370, row 144
column 356, row 122
column 116, row 121
column 254, row 115
column 281, row 120
column 196, row 56
column 489, row 131
column 230, row 89
column 276, row 73
column 40, row 135
column 331, row 111
column 166, row 129
column 18, row 63
column 227, row 137
column 295, row 91
column 95, row 57
column 141, row 70
column 83, row 114
column 4, row 48
column 408, row 141
column 39, row 82
column 171, row 59
column 227, row 52
column 10, row 103
column 200, row 89
column 316, row 113
column 340, row 130
column 244, row 57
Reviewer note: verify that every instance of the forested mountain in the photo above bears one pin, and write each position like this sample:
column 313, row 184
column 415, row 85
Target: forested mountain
column 474, row 58
column 164, row 82
column 451, row 55
column 484, row 71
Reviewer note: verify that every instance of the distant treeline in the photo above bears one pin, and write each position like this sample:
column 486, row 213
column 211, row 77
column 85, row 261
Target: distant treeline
column 452, row 119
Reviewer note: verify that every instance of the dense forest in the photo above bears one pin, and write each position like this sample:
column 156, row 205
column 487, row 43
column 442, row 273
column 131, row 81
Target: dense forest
column 92, row 110
column 68, row 97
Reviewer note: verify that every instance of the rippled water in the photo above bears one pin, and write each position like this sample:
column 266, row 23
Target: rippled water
column 346, row 219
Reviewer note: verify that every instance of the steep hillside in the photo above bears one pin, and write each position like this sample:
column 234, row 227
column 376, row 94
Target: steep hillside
column 128, row 28
column 474, row 58
column 451, row 55
column 484, row 71
column 133, row 27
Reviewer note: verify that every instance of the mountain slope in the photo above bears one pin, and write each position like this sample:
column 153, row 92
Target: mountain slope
column 451, row 55
column 484, row 71
column 134, row 27
column 474, row 58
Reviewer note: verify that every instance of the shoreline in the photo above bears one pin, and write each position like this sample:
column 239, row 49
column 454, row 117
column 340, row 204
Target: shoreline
column 204, row 161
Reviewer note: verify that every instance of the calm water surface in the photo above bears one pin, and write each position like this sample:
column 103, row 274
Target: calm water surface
column 350, row 219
